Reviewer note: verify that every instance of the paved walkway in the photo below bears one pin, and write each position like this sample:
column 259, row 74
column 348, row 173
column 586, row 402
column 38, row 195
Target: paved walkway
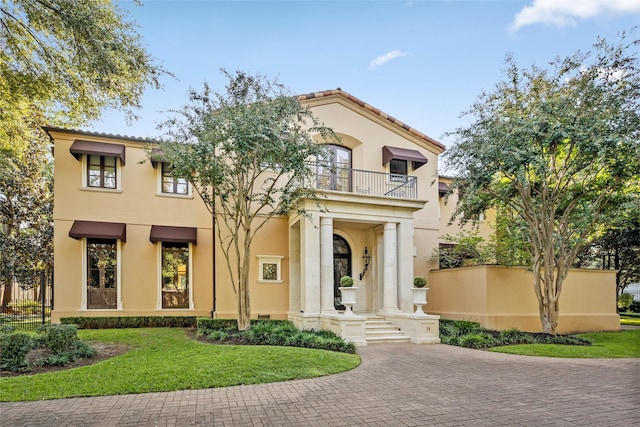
column 396, row 385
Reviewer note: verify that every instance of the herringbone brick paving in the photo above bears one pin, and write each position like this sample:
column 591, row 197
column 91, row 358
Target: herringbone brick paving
column 396, row 385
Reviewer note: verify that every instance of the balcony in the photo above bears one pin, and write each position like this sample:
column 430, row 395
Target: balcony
column 364, row 182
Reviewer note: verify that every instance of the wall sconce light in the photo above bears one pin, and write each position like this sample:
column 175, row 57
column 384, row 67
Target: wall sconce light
column 365, row 260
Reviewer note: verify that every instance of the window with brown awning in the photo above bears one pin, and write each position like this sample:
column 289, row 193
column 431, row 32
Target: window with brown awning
column 98, row 230
column 390, row 153
column 80, row 147
column 164, row 233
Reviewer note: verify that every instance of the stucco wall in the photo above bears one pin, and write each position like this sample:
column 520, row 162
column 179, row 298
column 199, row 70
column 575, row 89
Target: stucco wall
column 502, row 298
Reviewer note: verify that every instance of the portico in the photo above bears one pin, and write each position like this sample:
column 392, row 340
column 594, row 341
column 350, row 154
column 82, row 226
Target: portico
column 329, row 243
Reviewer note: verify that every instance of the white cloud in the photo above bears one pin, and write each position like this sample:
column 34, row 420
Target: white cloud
column 383, row 59
column 562, row 13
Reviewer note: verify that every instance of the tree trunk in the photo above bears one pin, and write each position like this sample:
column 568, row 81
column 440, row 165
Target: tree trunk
column 244, row 310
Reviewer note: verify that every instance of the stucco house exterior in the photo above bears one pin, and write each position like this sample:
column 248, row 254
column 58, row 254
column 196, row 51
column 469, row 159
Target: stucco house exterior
column 130, row 240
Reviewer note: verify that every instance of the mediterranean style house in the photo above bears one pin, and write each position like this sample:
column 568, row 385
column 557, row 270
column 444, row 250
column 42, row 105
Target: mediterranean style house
column 131, row 240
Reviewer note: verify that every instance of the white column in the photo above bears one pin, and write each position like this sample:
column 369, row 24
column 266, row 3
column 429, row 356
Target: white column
column 294, row 269
column 405, row 265
column 326, row 265
column 390, row 269
column 310, row 267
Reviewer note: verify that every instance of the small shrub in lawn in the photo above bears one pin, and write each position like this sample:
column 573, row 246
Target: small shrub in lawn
column 515, row 336
column 217, row 335
column 58, row 338
column 14, row 349
column 480, row 340
column 635, row 307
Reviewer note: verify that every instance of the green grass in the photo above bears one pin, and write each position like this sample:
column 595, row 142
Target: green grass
column 165, row 359
column 621, row 344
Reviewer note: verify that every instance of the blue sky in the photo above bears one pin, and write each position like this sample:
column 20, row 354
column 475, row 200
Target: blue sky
column 423, row 62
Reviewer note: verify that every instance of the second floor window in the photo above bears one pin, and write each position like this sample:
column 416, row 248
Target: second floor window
column 101, row 171
column 172, row 184
column 398, row 169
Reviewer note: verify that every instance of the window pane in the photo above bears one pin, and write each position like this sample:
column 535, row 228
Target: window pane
column 175, row 275
column 398, row 167
column 269, row 271
column 94, row 176
column 182, row 187
column 167, row 185
column 110, row 162
column 101, row 273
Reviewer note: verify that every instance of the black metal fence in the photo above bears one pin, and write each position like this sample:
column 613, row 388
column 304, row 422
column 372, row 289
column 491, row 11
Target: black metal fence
column 27, row 306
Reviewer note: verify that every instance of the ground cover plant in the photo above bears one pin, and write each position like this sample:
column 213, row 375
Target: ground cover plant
column 271, row 332
column 168, row 359
column 592, row 345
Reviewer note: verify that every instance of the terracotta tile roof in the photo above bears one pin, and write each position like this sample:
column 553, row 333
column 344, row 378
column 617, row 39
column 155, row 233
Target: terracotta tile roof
column 99, row 134
column 373, row 110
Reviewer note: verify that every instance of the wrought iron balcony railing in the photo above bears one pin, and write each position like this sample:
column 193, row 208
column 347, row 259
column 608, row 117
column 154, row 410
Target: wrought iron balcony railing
column 364, row 182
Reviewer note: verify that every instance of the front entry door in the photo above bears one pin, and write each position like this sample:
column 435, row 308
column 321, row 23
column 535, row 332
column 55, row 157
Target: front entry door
column 341, row 267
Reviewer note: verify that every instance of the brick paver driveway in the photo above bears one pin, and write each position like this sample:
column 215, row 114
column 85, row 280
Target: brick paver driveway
column 396, row 385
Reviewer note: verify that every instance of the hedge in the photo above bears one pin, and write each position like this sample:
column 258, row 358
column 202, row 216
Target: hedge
column 131, row 322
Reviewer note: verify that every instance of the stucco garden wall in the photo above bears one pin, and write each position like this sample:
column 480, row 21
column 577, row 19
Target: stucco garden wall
column 503, row 297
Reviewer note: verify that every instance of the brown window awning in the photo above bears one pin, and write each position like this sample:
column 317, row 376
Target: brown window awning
column 156, row 158
column 163, row 233
column 389, row 153
column 80, row 147
column 98, row 230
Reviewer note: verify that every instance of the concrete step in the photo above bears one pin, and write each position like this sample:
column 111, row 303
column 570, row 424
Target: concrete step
column 380, row 330
column 388, row 339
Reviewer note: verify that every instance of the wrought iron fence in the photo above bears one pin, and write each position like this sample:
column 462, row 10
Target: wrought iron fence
column 27, row 306
column 364, row 182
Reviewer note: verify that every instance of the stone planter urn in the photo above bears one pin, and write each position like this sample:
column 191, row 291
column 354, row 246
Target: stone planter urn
column 419, row 299
column 348, row 298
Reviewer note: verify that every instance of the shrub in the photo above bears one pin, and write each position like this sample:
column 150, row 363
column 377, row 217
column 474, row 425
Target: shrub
column 481, row 340
column 57, row 338
column 624, row 301
column 515, row 336
column 131, row 322
column 635, row 307
column 419, row 282
column 14, row 349
column 271, row 332
column 346, row 281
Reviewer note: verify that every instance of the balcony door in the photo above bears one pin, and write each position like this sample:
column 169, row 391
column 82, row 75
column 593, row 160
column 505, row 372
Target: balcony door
column 334, row 170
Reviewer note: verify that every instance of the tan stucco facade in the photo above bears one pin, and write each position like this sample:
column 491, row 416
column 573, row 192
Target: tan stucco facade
column 397, row 222
column 503, row 297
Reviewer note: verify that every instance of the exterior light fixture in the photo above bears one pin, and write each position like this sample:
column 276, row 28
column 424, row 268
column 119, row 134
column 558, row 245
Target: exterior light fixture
column 365, row 260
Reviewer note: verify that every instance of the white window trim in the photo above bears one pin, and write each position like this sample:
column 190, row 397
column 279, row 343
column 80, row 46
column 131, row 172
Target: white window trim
column 83, row 303
column 270, row 259
column 159, row 191
column 85, row 184
column 159, row 278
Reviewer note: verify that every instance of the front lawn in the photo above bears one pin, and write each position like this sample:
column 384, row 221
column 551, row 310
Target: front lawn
column 603, row 345
column 166, row 359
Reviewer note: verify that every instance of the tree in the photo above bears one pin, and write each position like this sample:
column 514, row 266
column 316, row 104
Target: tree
column 245, row 152
column 61, row 63
column 556, row 147
column 617, row 245
column 64, row 61
column 26, row 226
